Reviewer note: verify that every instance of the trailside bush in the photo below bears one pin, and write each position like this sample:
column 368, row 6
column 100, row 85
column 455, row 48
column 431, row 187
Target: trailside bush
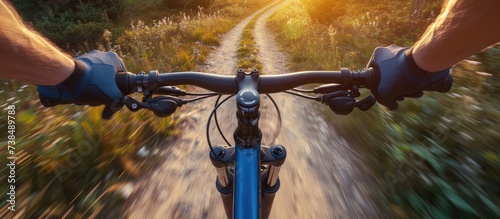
column 188, row 3
column 71, row 25
column 325, row 11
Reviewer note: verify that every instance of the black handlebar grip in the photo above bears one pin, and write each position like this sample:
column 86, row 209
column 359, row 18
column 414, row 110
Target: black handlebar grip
column 442, row 85
column 126, row 82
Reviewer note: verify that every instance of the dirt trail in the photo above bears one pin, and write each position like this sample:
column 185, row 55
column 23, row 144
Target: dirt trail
column 321, row 178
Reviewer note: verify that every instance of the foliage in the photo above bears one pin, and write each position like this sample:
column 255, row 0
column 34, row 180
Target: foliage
column 437, row 156
column 72, row 24
column 68, row 157
column 326, row 11
column 447, row 168
column 188, row 3
column 180, row 42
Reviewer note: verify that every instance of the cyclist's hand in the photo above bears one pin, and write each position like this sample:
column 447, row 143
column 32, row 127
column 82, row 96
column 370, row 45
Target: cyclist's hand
column 92, row 83
column 400, row 77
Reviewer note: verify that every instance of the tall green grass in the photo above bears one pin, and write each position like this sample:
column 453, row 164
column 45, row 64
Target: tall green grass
column 435, row 157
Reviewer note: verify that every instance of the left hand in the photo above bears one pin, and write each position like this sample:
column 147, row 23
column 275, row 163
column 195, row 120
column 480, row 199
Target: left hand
column 91, row 83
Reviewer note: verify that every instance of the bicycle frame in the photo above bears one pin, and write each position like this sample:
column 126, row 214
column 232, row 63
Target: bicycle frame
column 251, row 193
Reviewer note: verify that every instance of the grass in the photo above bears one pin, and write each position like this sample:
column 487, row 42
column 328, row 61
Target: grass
column 71, row 163
column 316, row 46
column 67, row 156
column 247, row 52
column 435, row 157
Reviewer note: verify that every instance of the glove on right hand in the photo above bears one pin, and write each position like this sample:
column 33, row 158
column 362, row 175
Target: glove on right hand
column 400, row 77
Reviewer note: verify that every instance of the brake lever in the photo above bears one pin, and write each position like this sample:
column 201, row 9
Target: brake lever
column 343, row 102
column 162, row 106
column 366, row 103
column 111, row 109
column 132, row 104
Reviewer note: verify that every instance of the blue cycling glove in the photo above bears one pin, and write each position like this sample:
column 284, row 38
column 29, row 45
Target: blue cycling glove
column 91, row 83
column 400, row 77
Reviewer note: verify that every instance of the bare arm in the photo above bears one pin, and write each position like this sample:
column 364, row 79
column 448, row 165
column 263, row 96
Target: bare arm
column 27, row 56
column 463, row 28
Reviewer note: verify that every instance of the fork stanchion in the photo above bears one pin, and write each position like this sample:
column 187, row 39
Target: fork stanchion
column 226, row 193
column 221, row 157
column 268, row 194
column 274, row 157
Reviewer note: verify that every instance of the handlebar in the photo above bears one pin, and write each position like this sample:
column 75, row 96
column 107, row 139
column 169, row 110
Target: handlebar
column 128, row 82
column 223, row 84
column 339, row 92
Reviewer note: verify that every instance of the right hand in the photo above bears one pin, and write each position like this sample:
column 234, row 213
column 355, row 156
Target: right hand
column 400, row 77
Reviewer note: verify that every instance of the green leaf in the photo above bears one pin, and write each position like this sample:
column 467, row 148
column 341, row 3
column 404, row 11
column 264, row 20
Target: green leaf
column 416, row 202
column 493, row 207
column 437, row 212
column 429, row 157
column 459, row 202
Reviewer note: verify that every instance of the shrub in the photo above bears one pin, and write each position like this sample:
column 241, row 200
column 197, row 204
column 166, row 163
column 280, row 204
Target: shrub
column 72, row 25
column 325, row 11
column 188, row 3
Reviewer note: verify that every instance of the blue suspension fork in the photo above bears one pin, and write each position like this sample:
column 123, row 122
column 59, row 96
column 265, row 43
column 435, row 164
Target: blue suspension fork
column 252, row 189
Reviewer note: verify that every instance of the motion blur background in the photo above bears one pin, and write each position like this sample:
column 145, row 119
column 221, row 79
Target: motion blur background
column 435, row 157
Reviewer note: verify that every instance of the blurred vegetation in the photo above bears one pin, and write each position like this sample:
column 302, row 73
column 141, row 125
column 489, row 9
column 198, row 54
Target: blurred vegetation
column 70, row 162
column 73, row 24
column 436, row 156
column 188, row 3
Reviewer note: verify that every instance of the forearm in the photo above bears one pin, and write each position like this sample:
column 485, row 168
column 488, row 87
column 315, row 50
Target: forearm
column 27, row 56
column 464, row 28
